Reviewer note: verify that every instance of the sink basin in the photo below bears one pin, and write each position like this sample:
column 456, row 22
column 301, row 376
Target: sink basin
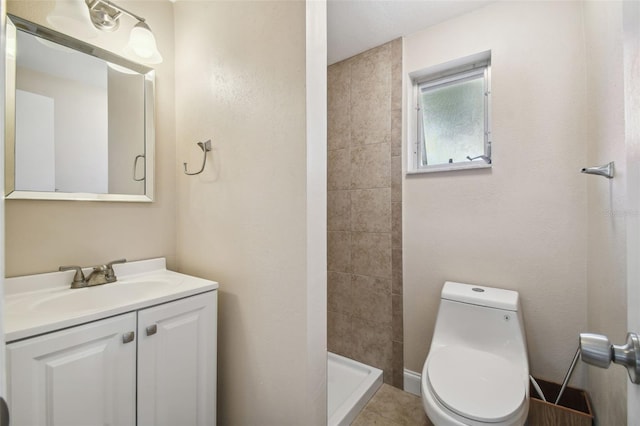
column 37, row 304
column 100, row 297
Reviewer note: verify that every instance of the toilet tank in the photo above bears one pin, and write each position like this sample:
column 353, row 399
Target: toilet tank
column 484, row 318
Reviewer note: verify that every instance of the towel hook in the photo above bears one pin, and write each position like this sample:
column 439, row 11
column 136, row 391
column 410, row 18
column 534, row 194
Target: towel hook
column 205, row 147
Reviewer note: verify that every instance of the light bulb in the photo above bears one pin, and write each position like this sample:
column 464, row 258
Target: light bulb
column 72, row 17
column 143, row 44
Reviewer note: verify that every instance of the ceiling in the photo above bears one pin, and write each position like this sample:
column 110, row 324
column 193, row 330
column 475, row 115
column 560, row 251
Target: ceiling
column 354, row 26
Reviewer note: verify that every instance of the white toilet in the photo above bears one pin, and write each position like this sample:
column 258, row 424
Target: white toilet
column 477, row 371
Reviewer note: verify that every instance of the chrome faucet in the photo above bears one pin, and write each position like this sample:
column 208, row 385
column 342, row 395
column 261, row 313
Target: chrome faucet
column 101, row 274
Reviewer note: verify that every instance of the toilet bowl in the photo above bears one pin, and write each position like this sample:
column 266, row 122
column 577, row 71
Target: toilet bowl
column 477, row 372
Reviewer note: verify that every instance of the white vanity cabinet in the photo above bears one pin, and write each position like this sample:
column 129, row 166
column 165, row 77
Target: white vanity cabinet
column 162, row 357
column 177, row 362
column 85, row 375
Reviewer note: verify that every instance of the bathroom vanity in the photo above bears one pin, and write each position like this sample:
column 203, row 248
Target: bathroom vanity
column 139, row 351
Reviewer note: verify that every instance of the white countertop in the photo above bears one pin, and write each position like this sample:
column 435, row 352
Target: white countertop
column 37, row 304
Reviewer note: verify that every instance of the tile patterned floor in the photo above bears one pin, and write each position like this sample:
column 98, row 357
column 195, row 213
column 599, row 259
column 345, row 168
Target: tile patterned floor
column 392, row 407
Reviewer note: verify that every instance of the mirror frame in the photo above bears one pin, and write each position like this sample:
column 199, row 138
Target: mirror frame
column 14, row 24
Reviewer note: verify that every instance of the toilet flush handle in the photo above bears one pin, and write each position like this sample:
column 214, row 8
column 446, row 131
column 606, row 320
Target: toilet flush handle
column 596, row 349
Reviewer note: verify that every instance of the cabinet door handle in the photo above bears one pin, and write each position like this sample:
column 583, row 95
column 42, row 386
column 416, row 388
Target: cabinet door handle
column 152, row 329
column 128, row 337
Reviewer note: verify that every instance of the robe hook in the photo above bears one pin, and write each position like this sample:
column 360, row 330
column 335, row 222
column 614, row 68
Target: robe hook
column 205, row 147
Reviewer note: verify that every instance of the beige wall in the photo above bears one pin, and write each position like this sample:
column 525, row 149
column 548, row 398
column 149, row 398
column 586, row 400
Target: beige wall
column 521, row 225
column 365, row 209
column 42, row 235
column 631, row 18
column 606, row 261
column 240, row 69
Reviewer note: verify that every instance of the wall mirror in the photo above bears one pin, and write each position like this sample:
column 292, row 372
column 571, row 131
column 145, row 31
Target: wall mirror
column 80, row 119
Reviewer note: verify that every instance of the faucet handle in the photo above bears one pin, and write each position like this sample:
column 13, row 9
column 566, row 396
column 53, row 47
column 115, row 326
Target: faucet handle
column 78, row 279
column 111, row 276
column 113, row 262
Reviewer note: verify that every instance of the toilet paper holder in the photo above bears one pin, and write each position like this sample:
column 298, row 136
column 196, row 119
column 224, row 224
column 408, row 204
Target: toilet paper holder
column 597, row 350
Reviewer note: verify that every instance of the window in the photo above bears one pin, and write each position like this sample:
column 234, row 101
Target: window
column 452, row 129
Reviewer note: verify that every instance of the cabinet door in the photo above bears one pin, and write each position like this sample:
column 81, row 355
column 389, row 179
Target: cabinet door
column 177, row 362
column 84, row 375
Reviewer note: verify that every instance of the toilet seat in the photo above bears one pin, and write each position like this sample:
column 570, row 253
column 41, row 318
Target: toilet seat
column 474, row 384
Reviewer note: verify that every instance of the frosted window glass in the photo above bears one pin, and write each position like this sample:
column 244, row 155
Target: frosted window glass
column 453, row 121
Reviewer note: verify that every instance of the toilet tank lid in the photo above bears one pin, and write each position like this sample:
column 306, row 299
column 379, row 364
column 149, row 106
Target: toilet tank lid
column 480, row 295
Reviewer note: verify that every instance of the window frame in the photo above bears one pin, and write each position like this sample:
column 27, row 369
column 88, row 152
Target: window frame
column 442, row 76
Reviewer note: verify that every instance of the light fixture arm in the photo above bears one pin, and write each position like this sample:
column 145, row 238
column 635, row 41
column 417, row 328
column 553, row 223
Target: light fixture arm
column 115, row 7
column 105, row 15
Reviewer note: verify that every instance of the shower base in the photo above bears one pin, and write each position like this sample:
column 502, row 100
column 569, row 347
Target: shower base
column 350, row 385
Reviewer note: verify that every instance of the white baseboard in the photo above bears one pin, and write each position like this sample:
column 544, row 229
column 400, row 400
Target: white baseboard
column 412, row 382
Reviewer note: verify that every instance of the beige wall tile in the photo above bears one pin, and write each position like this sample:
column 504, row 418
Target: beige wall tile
column 370, row 305
column 370, row 166
column 396, row 178
column 339, row 105
column 396, row 132
column 339, row 210
column 397, row 365
column 396, row 74
column 396, row 313
column 339, row 334
column 371, row 254
column 338, row 170
column 396, row 283
column 339, row 251
column 339, row 292
column 396, row 225
column 396, row 258
column 371, row 210
column 376, row 284
column 371, row 97
column 375, row 136
column 396, row 278
column 373, row 345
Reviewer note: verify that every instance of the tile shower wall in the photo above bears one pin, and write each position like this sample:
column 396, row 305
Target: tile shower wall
column 365, row 209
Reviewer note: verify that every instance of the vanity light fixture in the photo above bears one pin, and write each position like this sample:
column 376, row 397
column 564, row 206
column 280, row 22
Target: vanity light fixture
column 72, row 16
column 105, row 16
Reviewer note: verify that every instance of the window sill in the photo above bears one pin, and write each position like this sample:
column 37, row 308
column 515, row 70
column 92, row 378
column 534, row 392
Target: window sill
column 450, row 167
